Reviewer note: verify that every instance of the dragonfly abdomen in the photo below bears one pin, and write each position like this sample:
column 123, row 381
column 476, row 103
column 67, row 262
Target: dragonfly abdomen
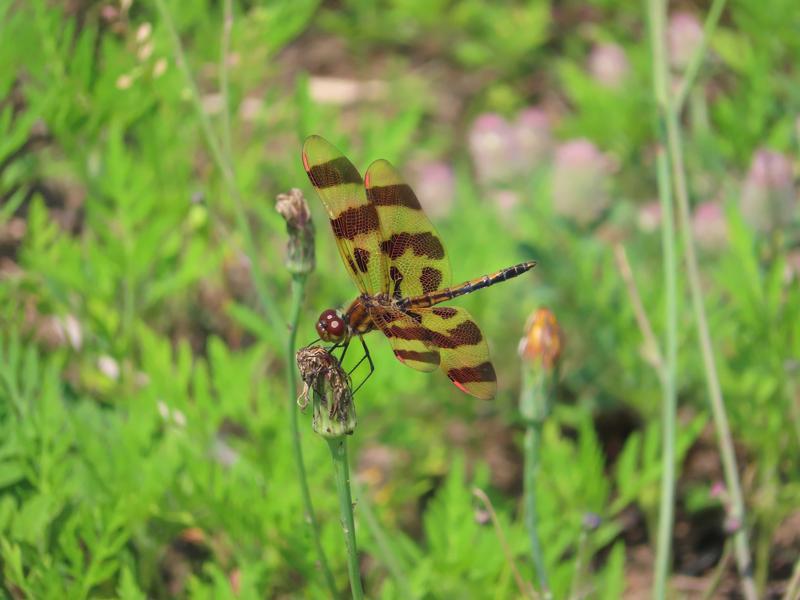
column 470, row 286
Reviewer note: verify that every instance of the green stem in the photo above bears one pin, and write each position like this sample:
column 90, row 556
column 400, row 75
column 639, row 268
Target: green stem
column 387, row 553
column 724, row 437
column 669, row 116
column 698, row 56
column 298, row 290
column 265, row 299
column 533, row 396
column 227, row 25
column 666, row 514
column 338, row 448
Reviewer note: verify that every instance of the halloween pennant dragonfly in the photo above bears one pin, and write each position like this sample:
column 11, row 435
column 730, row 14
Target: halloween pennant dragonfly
column 398, row 263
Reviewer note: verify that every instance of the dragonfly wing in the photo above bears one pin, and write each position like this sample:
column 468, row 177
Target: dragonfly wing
column 409, row 339
column 416, row 259
column 463, row 351
column 354, row 220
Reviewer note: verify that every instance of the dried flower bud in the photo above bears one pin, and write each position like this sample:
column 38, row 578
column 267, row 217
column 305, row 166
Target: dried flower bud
column 581, row 181
column 768, row 195
column 334, row 413
column 684, row 35
column 300, row 249
column 543, row 340
column 709, row 226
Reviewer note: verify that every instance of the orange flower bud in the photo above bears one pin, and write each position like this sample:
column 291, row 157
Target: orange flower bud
column 543, row 340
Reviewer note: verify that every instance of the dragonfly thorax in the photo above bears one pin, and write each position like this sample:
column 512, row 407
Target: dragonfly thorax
column 332, row 326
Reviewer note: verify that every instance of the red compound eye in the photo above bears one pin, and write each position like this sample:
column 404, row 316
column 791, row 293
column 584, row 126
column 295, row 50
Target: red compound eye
column 330, row 326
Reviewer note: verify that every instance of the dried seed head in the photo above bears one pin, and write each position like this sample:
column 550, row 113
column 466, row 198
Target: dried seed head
column 300, row 249
column 543, row 340
column 329, row 386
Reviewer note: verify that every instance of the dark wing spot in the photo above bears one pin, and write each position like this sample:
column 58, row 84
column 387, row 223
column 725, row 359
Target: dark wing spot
column 463, row 334
column 362, row 259
column 480, row 373
column 445, row 312
column 425, row 357
column 430, row 279
column 422, row 244
column 355, row 221
column 393, row 195
column 407, row 333
column 334, row 172
column 467, row 333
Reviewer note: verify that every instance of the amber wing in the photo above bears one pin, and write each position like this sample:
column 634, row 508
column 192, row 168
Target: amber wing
column 416, row 259
column 354, row 219
column 410, row 341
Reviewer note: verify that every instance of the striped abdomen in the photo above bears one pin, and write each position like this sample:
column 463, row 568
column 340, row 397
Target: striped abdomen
column 468, row 287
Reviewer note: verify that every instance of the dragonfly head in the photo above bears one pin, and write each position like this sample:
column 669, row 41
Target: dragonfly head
column 331, row 326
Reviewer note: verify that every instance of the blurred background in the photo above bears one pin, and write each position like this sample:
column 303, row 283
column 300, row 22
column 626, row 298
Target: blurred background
column 145, row 437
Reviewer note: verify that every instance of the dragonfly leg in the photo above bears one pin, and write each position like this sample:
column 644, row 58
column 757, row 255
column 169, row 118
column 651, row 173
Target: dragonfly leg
column 336, row 346
column 369, row 360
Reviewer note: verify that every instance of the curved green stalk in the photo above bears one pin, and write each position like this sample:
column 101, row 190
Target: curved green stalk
column 338, row 448
column 666, row 514
column 531, row 398
column 387, row 553
column 298, row 290
column 670, row 136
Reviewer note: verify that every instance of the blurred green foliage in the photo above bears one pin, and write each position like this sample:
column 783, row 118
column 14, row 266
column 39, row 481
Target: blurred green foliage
column 144, row 442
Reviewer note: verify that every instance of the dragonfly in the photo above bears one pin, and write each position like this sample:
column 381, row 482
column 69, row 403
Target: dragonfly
column 399, row 265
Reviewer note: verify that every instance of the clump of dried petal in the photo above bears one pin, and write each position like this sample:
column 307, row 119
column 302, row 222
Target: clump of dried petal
column 543, row 340
column 300, row 249
column 608, row 65
column 709, row 226
column 768, row 195
column 581, row 182
column 330, row 392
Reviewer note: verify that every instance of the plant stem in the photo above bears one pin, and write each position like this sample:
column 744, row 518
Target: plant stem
column 668, row 119
column 531, row 397
column 657, row 17
column 698, row 55
column 224, row 89
column 652, row 350
column 387, row 553
column 525, row 590
column 724, row 437
column 338, row 448
column 298, row 290
column 265, row 299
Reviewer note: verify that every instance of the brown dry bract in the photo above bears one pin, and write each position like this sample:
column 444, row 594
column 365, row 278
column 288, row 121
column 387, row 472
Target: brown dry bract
column 320, row 371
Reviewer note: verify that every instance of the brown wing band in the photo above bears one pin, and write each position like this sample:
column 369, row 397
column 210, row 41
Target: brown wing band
column 482, row 373
column 399, row 194
column 334, row 172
